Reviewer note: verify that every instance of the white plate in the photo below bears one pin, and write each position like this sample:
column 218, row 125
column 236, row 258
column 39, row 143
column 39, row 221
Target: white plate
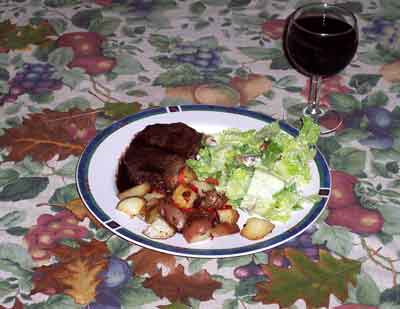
column 98, row 164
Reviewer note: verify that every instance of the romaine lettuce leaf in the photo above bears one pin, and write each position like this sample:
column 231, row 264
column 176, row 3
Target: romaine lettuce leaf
column 281, row 158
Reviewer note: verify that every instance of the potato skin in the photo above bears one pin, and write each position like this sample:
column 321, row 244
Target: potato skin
column 224, row 228
column 173, row 215
column 197, row 229
column 139, row 190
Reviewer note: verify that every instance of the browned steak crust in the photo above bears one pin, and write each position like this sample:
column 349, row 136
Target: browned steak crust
column 176, row 138
column 155, row 153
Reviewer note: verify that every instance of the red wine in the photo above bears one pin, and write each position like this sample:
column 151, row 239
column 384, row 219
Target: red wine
column 314, row 54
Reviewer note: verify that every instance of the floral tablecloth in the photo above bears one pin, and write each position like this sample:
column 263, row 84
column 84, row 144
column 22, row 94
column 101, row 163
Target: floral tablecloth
column 69, row 68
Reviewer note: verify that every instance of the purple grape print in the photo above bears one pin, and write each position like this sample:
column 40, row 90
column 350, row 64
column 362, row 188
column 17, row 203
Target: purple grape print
column 35, row 78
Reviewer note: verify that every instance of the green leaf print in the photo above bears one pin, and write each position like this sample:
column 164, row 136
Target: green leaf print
column 127, row 65
column 64, row 195
column 8, row 175
column 345, row 103
column 83, row 18
column 12, row 218
column 105, row 25
column 197, row 8
column 61, row 57
column 78, row 102
column 134, row 295
column 336, row 239
column 349, row 160
column 182, row 75
column 261, row 53
column 24, row 188
column 367, row 291
column 363, row 83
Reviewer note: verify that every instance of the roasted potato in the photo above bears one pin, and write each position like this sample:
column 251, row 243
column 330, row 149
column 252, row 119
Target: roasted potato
column 139, row 190
column 151, row 214
column 153, row 195
column 197, row 229
column 131, row 206
column 175, row 216
column 256, row 228
column 159, row 229
column 183, row 196
column 223, row 229
column 228, row 215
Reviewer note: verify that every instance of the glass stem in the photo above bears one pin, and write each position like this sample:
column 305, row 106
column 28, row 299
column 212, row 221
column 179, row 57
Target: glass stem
column 313, row 108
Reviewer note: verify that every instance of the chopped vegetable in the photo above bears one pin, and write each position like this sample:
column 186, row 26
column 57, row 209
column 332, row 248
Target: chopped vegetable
column 260, row 171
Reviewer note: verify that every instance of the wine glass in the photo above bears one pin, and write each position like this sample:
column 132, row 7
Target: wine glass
column 320, row 40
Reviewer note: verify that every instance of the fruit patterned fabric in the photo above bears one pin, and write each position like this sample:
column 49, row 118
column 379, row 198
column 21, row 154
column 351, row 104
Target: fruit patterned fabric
column 69, row 68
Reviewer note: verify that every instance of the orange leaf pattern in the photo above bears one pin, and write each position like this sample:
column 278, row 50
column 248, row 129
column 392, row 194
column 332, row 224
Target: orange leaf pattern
column 77, row 272
column 178, row 287
column 147, row 261
column 48, row 134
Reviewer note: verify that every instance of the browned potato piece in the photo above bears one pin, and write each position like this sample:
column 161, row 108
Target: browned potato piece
column 197, row 230
column 159, row 229
column 256, row 228
column 173, row 215
column 228, row 215
column 223, row 229
column 139, row 190
column 153, row 195
column 184, row 196
column 151, row 214
column 131, row 206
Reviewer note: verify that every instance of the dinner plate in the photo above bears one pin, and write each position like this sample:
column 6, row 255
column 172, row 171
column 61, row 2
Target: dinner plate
column 96, row 170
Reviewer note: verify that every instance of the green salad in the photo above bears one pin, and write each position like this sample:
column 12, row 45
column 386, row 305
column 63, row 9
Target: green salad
column 261, row 171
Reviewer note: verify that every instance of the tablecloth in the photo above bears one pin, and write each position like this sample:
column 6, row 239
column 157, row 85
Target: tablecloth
column 69, row 68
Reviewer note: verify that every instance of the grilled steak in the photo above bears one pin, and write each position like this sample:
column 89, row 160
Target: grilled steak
column 176, row 138
column 156, row 154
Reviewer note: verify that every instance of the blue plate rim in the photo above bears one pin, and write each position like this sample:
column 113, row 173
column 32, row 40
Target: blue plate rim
column 90, row 202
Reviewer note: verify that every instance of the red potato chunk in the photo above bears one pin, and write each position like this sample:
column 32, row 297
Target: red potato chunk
column 173, row 215
column 83, row 43
column 94, row 65
column 197, row 229
column 224, row 228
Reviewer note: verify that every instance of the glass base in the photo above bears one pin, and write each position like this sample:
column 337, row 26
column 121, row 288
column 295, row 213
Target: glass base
column 313, row 112
column 328, row 120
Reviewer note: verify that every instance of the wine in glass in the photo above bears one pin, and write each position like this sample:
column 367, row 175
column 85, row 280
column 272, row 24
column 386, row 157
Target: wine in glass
column 320, row 40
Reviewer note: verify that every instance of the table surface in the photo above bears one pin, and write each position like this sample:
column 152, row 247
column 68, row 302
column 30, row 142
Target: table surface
column 58, row 89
